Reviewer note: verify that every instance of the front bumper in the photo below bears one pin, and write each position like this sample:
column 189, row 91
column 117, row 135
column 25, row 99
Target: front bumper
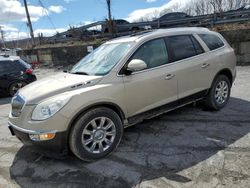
column 31, row 78
column 56, row 147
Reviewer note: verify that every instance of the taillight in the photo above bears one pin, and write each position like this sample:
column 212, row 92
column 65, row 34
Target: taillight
column 29, row 71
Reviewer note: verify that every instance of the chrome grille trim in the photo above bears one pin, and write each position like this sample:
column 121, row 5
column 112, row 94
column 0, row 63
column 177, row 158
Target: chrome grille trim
column 17, row 104
column 30, row 131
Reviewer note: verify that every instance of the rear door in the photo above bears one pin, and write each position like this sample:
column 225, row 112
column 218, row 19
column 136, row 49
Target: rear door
column 192, row 64
column 4, row 75
column 9, row 72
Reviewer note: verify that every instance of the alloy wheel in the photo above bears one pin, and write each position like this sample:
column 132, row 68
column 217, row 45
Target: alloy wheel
column 98, row 135
column 221, row 92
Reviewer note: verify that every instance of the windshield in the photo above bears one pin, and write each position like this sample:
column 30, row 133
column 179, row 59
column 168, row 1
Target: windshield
column 102, row 60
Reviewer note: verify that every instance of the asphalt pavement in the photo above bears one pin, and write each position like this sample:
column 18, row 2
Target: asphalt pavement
column 188, row 147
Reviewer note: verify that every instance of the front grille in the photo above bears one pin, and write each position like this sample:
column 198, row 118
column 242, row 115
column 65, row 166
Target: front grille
column 17, row 105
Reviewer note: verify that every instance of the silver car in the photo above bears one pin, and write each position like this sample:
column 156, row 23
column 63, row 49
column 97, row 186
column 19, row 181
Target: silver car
column 121, row 83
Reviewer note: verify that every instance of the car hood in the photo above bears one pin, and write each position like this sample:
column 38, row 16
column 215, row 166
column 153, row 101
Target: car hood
column 56, row 84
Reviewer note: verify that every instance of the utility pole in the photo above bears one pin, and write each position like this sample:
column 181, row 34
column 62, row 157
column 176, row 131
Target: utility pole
column 110, row 21
column 2, row 36
column 29, row 23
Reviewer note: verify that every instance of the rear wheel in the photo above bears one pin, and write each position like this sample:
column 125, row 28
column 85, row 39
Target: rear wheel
column 135, row 29
column 219, row 93
column 96, row 134
column 15, row 87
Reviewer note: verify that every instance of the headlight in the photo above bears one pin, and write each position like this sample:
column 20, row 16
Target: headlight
column 50, row 107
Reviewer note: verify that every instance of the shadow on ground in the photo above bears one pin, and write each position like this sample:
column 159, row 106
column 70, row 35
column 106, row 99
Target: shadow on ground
column 4, row 99
column 160, row 147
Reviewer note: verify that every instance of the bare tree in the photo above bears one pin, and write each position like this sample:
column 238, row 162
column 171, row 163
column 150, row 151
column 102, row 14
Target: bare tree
column 199, row 7
column 165, row 11
column 217, row 5
column 176, row 7
column 230, row 4
column 204, row 7
column 188, row 10
column 241, row 3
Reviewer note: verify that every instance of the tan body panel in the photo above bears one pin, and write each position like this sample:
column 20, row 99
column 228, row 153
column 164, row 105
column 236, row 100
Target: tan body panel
column 136, row 93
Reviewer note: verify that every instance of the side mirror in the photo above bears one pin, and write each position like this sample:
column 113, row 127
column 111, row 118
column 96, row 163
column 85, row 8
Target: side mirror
column 136, row 65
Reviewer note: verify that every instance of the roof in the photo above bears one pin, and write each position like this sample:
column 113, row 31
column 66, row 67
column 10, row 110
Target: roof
column 6, row 57
column 160, row 32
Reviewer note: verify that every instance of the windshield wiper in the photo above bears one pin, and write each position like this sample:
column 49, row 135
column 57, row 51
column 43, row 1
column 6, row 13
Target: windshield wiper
column 80, row 73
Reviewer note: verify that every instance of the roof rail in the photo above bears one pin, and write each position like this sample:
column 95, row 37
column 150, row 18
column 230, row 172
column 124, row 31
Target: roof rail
column 142, row 32
column 4, row 55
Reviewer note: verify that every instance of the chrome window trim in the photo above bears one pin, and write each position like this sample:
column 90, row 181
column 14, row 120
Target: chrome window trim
column 222, row 40
column 179, row 61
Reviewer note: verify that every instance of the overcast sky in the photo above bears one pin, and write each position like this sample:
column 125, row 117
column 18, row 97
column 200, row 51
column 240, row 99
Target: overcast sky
column 50, row 16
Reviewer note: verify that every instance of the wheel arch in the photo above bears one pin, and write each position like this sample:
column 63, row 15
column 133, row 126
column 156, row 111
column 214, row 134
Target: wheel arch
column 226, row 72
column 12, row 82
column 110, row 105
column 135, row 28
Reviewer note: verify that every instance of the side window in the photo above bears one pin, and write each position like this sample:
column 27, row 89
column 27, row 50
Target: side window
column 212, row 41
column 197, row 46
column 7, row 67
column 181, row 47
column 153, row 53
column 2, row 69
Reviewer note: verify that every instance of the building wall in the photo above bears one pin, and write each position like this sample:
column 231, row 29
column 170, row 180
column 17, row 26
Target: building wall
column 240, row 41
column 59, row 56
column 64, row 56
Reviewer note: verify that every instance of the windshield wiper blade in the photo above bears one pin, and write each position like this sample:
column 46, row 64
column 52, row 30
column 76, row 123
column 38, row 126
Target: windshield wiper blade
column 80, row 73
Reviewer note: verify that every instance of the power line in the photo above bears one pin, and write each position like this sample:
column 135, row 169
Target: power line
column 46, row 12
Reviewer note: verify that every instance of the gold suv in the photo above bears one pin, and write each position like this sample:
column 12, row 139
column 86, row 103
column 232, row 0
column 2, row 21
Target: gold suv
column 121, row 83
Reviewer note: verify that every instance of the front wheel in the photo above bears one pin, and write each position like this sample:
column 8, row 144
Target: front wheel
column 96, row 134
column 219, row 93
column 15, row 87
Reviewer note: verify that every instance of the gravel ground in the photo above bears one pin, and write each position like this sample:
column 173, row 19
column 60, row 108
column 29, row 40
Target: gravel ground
column 188, row 147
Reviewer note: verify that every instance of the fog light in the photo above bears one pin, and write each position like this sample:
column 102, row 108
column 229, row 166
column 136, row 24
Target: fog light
column 42, row 137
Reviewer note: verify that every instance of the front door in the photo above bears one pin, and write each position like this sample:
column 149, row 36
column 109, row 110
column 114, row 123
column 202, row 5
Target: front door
column 154, row 86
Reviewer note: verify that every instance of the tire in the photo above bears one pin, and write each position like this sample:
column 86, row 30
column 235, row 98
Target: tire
column 106, row 31
column 14, row 87
column 218, row 95
column 90, row 138
column 134, row 29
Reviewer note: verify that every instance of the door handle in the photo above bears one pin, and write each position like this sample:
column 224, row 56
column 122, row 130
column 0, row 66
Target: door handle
column 169, row 76
column 205, row 65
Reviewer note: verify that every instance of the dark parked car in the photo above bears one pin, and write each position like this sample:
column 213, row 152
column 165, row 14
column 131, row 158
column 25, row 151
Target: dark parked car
column 163, row 21
column 120, row 25
column 14, row 74
column 173, row 16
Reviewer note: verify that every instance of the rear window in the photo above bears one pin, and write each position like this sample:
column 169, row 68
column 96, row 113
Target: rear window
column 212, row 41
column 7, row 67
column 23, row 63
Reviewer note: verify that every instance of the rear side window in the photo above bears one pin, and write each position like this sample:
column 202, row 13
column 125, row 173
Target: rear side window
column 212, row 41
column 6, row 67
column 182, row 47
